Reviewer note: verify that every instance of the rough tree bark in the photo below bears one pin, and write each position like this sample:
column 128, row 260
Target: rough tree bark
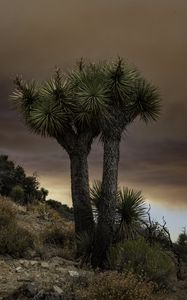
column 78, row 147
column 80, row 193
column 107, row 207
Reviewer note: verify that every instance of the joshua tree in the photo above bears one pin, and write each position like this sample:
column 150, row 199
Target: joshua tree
column 44, row 193
column 57, row 109
column 129, row 96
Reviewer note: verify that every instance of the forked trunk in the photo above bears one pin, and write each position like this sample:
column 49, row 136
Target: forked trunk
column 107, row 207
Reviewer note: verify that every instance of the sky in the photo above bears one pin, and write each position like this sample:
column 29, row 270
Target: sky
column 38, row 35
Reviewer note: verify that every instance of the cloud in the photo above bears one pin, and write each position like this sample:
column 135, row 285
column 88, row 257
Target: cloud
column 38, row 35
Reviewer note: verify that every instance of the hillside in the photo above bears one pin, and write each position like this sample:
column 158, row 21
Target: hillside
column 37, row 259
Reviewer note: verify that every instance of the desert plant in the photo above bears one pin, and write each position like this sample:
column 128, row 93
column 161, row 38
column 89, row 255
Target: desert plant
column 13, row 179
column 151, row 262
column 61, row 237
column 130, row 96
column 64, row 210
column 131, row 209
column 14, row 240
column 56, row 109
column 44, row 193
column 181, row 245
column 7, row 213
column 113, row 285
column 17, row 194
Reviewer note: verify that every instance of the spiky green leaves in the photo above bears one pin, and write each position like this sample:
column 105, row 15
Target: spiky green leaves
column 131, row 210
column 91, row 94
column 98, row 97
column 95, row 193
column 57, row 89
column 48, row 109
column 47, row 118
column 25, row 95
column 120, row 80
column 131, row 206
column 145, row 101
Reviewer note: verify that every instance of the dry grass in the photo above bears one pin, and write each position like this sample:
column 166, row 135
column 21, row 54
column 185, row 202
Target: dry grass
column 113, row 285
column 37, row 227
column 14, row 239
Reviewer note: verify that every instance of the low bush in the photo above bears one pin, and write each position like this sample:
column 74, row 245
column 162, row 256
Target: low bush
column 151, row 262
column 17, row 194
column 113, row 285
column 7, row 213
column 14, row 240
column 44, row 212
column 64, row 210
column 60, row 235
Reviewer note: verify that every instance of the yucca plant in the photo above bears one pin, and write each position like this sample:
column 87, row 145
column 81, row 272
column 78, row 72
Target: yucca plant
column 130, row 96
column 64, row 108
column 132, row 213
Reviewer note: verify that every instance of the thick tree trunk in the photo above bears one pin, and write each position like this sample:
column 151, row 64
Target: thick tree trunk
column 80, row 193
column 107, row 207
column 78, row 147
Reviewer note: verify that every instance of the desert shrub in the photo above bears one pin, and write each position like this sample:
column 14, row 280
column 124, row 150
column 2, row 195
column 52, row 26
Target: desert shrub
column 55, row 235
column 61, row 236
column 151, row 262
column 65, row 211
column 7, row 213
column 44, row 212
column 14, row 240
column 181, row 245
column 113, row 285
column 17, row 194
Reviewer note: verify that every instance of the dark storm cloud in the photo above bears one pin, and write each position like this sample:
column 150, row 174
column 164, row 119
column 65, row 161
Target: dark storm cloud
column 37, row 35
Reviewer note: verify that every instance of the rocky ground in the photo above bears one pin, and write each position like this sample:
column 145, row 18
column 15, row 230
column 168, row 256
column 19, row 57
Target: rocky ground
column 57, row 278
column 36, row 279
column 49, row 272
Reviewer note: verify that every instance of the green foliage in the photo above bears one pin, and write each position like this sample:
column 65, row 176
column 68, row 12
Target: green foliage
column 120, row 80
column 14, row 183
column 95, row 193
column 113, row 285
column 131, row 211
column 17, row 194
column 138, row 256
column 145, row 101
column 90, row 97
column 44, row 194
column 181, row 245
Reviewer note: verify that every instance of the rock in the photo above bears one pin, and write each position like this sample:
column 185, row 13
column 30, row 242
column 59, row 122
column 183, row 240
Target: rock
column 45, row 265
column 32, row 289
column 73, row 273
column 33, row 262
column 57, row 289
column 61, row 270
column 18, row 269
column 21, row 261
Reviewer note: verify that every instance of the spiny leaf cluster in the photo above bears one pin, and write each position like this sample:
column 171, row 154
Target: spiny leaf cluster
column 93, row 96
